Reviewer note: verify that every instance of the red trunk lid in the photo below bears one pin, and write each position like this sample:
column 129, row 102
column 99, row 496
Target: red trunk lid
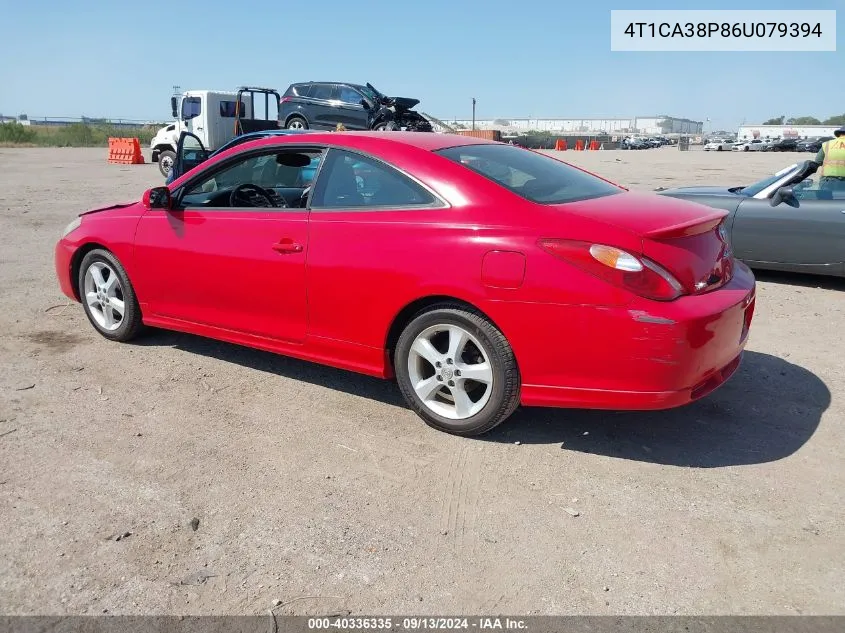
column 685, row 238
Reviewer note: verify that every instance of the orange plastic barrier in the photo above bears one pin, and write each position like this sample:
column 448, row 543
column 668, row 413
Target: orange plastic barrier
column 487, row 135
column 125, row 151
column 594, row 145
column 560, row 145
column 579, row 145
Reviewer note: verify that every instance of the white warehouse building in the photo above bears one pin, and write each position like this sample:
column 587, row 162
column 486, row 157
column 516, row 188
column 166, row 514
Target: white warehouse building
column 748, row 132
column 650, row 125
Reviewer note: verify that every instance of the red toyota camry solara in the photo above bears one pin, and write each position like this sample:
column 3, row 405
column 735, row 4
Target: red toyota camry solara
column 480, row 275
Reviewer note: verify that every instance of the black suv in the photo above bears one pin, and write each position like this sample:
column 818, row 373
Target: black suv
column 784, row 145
column 324, row 104
column 812, row 144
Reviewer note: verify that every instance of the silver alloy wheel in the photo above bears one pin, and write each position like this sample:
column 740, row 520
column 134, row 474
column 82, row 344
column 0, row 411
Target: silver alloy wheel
column 104, row 295
column 166, row 164
column 450, row 371
column 296, row 124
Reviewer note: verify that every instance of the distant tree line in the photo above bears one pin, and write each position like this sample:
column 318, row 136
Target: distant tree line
column 806, row 120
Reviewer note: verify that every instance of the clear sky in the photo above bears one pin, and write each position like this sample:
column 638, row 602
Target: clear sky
column 538, row 58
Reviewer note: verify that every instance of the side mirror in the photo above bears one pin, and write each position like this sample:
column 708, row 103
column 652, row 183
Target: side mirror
column 365, row 103
column 784, row 194
column 174, row 107
column 158, row 198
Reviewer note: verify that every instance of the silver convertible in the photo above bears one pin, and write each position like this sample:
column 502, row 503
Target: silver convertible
column 788, row 221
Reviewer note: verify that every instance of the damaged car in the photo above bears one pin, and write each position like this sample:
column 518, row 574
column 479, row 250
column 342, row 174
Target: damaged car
column 324, row 105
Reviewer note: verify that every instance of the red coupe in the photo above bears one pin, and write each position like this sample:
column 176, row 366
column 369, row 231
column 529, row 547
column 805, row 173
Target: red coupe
column 478, row 274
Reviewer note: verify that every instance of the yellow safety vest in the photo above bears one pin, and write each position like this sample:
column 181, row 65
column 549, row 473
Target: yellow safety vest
column 834, row 158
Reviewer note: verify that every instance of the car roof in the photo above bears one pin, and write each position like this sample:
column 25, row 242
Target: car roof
column 429, row 141
column 273, row 133
column 246, row 138
column 351, row 84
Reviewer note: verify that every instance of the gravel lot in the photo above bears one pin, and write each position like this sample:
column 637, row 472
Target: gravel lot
column 319, row 489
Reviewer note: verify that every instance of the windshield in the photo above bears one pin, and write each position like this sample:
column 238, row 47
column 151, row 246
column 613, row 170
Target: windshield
column 534, row 176
column 757, row 187
column 370, row 94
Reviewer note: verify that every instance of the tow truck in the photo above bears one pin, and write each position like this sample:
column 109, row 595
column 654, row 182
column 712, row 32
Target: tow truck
column 215, row 118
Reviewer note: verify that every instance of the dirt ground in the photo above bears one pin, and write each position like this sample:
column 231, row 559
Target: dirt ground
column 319, row 489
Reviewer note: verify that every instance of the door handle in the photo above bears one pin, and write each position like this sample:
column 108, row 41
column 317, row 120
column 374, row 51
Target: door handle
column 287, row 247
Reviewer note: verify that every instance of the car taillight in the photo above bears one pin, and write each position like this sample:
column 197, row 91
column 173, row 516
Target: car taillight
column 637, row 274
column 284, row 99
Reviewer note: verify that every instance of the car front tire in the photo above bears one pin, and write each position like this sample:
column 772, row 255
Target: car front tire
column 108, row 297
column 296, row 123
column 385, row 126
column 457, row 371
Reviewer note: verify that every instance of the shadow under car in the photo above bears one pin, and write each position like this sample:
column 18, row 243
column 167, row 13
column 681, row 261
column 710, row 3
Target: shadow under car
column 767, row 411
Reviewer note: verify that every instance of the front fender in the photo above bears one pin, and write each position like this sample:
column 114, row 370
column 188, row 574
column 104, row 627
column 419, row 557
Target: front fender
column 383, row 115
column 112, row 229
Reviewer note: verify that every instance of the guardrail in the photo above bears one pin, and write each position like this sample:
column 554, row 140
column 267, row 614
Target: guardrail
column 64, row 121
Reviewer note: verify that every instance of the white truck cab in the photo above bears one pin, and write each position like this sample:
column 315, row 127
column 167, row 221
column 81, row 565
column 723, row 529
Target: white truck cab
column 215, row 118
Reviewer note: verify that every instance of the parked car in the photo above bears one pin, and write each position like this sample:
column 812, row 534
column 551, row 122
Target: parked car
column 718, row 145
column 322, row 105
column 754, row 145
column 195, row 153
column 783, row 145
column 786, row 221
column 812, row 144
column 634, row 143
column 447, row 262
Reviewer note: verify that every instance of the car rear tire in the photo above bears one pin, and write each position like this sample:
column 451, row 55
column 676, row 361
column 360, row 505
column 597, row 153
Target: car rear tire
column 296, row 123
column 165, row 162
column 108, row 297
column 435, row 356
column 719, row 149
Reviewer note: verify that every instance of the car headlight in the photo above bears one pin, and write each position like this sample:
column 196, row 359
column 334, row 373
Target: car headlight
column 72, row 227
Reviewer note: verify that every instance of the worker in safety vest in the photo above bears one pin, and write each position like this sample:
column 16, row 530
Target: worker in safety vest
column 831, row 157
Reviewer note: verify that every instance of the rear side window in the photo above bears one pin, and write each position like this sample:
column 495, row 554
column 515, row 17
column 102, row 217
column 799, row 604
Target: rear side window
column 534, row 176
column 348, row 180
column 321, row 91
column 227, row 109
column 349, row 95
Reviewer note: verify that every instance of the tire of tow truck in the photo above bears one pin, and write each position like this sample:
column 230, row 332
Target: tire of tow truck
column 165, row 162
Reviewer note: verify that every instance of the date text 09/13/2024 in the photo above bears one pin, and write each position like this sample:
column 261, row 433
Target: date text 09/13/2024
column 416, row 624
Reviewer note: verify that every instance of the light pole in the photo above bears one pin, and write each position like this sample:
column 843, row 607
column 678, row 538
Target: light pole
column 473, row 113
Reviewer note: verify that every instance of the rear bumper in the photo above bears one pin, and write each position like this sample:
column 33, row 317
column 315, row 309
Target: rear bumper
column 548, row 396
column 646, row 355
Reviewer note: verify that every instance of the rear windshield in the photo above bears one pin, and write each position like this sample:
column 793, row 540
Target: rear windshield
column 534, row 176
